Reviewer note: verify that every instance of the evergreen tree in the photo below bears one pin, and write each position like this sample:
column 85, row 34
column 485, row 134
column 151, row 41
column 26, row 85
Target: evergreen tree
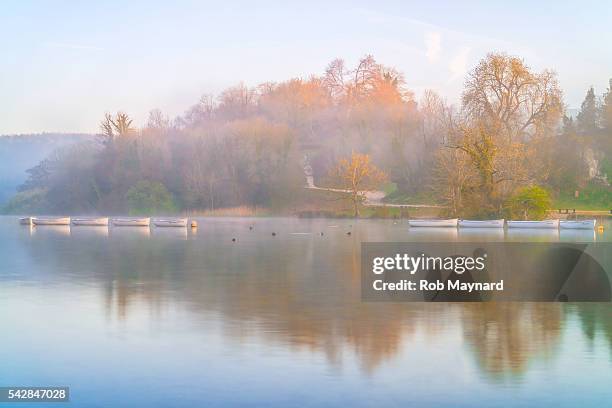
column 605, row 140
column 606, row 110
column 588, row 118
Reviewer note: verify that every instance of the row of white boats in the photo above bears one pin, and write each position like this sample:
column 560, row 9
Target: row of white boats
column 544, row 224
column 435, row 223
column 105, row 221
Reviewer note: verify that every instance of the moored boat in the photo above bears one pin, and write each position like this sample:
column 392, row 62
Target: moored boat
column 51, row 221
column 544, row 224
column 170, row 222
column 95, row 222
column 131, row 222
column 577, row 235
column 450, row 223
column 26, row 220
column 578, row 224
column 481, row 223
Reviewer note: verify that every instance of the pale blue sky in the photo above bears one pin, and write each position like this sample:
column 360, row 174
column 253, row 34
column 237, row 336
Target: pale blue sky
column 65, row 63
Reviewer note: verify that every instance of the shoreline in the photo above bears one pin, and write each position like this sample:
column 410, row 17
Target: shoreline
column 310, row 215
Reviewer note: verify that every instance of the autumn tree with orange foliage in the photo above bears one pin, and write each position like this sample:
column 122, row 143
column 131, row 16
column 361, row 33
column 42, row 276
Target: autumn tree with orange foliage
column 356, row 176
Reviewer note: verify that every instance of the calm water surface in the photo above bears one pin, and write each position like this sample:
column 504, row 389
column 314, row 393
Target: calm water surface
column 174, row 318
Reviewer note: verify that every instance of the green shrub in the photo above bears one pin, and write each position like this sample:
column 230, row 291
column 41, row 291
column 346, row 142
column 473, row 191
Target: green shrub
column 528, row 203
column 150, row 197
column 27, row 202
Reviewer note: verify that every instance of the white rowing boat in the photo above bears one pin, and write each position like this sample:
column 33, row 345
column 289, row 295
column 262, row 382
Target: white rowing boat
column 450, row 223
column 94, row 222
column 131, row 222
column 578, row 224
column 544, row 224
column 25, row 220
column 51, row 221
column 481, row 223
column 170, row 222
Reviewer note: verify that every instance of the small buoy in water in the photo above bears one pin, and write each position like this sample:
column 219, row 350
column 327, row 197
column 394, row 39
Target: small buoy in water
column 348, row 233
column 251, row 227
column 233, row 239
column 194, row 224
column 321, row 234
column 274, row 234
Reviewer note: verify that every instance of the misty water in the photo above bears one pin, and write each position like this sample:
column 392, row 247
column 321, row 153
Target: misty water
column 173, row 317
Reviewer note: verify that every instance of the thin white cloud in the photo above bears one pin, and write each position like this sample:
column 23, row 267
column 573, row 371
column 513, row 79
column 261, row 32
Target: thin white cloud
column 377, row 17
column 72, row 46
column 433, row 45
column 458, row 65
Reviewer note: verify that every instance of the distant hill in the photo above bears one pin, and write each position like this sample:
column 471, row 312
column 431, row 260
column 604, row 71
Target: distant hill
column 21, row 152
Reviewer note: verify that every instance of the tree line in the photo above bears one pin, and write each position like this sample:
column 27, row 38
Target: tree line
column 249, row 145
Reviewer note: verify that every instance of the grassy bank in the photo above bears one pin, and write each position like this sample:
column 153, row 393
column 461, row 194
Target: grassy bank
column 592, row 198
column 396, row 196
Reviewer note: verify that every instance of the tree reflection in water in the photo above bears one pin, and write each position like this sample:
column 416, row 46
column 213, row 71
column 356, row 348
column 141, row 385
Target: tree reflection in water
column 505, row 336
column 595, row 320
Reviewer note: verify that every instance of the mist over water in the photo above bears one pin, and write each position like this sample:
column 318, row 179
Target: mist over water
column 171, row 317
column 18, row 153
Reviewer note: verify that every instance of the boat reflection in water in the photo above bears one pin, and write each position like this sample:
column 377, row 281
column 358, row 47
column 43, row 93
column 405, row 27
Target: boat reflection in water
column 170, row 232
column 50, row 230
column 130, row 232
column 432, row 234
column 577, row 235
column 90, row 230
column 481, row 234
column 532, row 234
